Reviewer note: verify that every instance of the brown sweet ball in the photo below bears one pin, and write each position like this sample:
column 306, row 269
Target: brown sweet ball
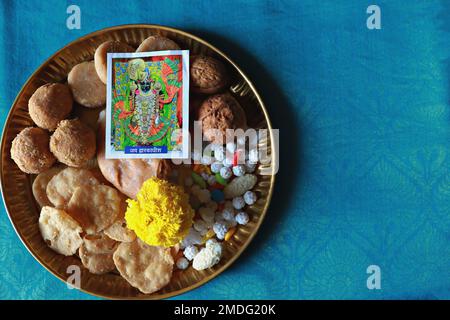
column 50, row 104
column 208, row 75
column 87, row 88
column 30, row 150
column 221, row 112
column 73, row 143
column 157, row 43
column 101, row 52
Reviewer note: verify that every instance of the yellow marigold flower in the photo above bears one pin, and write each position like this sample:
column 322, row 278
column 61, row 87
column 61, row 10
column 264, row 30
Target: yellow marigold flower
column 161, row 214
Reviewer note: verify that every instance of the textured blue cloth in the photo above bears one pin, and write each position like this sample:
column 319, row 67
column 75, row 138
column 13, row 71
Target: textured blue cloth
column 365, row 139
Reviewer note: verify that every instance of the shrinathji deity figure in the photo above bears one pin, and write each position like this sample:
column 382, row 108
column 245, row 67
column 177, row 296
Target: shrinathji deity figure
column 147, row 100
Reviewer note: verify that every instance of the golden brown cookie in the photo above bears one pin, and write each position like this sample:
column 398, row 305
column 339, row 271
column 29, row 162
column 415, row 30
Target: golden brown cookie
column 100, row 55
column 95, row 207
column 60, row 231
column 73, row 143
column 40, row 185
column 128, row 175
column 207, row 75
column 87, row 88
column 50, row 104
column 157, row 43
column 30, row 150
column 219, row 113
column 61, row 187
column 96, row 253
column 145, row 267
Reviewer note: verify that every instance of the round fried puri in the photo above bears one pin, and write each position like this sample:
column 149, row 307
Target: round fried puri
column 119, row 231
column 207, row 75
column 61, row 187
column 157, row 43
column 87, row 88
column 60, row 231
column 95, row 207
column 40, row 185
column 101, row 52
column 50, row 104
column 30, row 150
column 145, row 267
column 73, row 143
column 128, row 175
column 96, row 253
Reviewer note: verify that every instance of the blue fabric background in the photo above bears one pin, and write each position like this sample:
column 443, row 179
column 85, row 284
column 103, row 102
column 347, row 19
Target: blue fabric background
column 365, row 139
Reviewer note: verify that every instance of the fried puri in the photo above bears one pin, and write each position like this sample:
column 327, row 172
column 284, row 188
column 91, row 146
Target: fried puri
column 101, row 54
column 40, row 185
column 96, row 253
column 61, row 187
column 50, row 104
column 73, row 143
column 207, row 75
column 95, row 207
column 60, row 231
column 157, row 43
column 87, row 88
column 145, row 267
column 30, row 150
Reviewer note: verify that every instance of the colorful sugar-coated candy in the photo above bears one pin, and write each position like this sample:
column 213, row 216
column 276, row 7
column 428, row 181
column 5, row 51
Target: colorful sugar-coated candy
column 198, row 180
column 221, row 180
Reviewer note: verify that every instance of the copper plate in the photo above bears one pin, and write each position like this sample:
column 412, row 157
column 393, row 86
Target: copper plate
column 16, row 185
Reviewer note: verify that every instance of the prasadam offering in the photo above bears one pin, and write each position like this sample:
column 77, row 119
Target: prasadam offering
column 208, row 75
column 96, row 253
column 31, row 152
column 140, row 218
column 122, row 172
column 119, row 231
column 61, row 232
column 61, row 187
column 50, row 104
column 101, row 52
column 145, row 267
column 219, row 113
column 87, row 88
column 157, row 43
column 73, row 143
column 40, row 185
column 95, row 207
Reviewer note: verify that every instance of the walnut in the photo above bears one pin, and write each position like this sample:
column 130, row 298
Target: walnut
column 208, row 75
column 221, row 112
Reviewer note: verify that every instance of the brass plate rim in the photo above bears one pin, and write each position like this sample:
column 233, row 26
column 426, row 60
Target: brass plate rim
column 274, row 158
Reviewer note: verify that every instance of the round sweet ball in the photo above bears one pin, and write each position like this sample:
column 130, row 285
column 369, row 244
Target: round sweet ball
column 101, row 53
column 157, row 43
column 30, row 150
column 207, row 75
column 50, row 104
column 219, row 113
column 73, row 143
column 87, row 88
